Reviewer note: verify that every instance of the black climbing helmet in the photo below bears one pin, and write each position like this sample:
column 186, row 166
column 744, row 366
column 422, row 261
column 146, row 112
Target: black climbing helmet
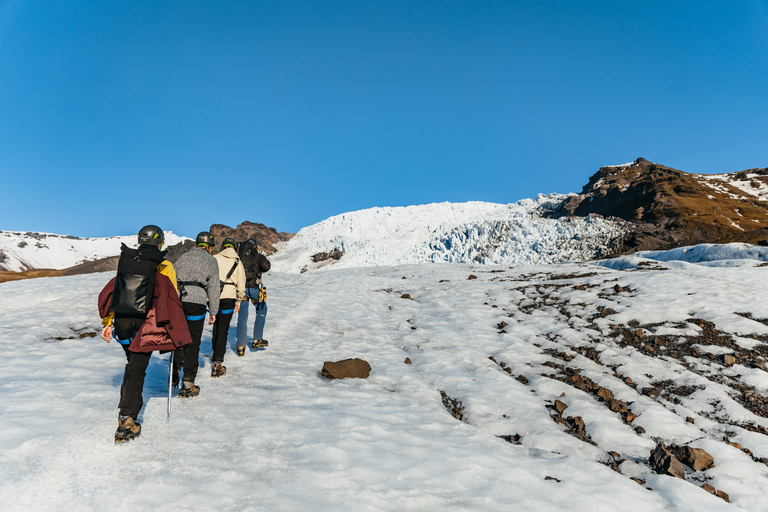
column 249, row 246
column 151, row 235
column 205, row 239
column 228, row 242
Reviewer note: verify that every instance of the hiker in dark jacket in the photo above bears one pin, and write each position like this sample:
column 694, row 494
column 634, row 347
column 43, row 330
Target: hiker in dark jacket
column 140, row 308
column 254, row 264
column 198, row 276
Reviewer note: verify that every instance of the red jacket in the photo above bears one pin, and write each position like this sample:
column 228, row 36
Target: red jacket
column 166, row 325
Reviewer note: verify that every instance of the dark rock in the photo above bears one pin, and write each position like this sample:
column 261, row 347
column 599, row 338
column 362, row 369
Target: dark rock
column 664, row 463
column 708, row 488
column 724, row 496
column 335, row 254
column 520, row 378
column 404, row 296
column 502, row 325
column 607, row 311
column 560, row 406
column 472, row 276
column 616, row 405
column 639, row 430
column 407, row 360
column 348, row 368
column 605, row 393
column 695, row 458
column 551, row 478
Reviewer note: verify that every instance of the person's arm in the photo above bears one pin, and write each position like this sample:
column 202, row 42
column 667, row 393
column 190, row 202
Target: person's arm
column 264, row 264
column 213, row 287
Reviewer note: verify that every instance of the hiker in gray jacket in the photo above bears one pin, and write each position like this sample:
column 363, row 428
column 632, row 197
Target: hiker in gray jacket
column 197, row 274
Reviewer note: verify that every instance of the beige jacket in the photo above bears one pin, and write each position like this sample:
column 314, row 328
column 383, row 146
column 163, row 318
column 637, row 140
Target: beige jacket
column 226, row 259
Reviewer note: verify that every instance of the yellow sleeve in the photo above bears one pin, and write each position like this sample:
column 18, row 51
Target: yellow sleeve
column 109, row 319
column 166, row 268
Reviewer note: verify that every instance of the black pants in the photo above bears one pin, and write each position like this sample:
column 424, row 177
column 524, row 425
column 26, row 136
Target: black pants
column 221, row 328
column 187, row 355
column 131, row 399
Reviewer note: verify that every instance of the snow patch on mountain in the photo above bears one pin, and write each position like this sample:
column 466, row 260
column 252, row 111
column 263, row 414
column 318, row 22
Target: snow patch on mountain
column 472, row 232
column 21, row 251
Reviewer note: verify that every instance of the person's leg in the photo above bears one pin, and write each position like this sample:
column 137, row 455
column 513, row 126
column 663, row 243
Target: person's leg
column 242, row 321
column 195, row 321
column 221, row 328
column 131, row 399
column 261, row 319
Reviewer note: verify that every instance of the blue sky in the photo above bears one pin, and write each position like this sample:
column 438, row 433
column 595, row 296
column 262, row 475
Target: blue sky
column 117, row 114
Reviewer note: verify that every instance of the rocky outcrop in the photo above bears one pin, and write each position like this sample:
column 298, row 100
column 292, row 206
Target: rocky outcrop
column 266, row 237
column 669, row 208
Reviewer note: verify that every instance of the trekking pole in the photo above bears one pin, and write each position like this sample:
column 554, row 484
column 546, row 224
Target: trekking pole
column 170, row 381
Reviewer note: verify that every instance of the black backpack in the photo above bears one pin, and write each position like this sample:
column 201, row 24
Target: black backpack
column 135, row 281
column 247, row 253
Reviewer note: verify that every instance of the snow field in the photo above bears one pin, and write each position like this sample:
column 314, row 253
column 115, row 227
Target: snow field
column 274, row 435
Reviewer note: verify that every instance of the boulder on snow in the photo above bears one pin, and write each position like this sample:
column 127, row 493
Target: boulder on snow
column 664, row 463
column 695, row 458
column 346, row 369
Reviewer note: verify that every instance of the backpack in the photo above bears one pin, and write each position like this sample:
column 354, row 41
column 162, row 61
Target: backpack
column 135, row 281
column 247, row 253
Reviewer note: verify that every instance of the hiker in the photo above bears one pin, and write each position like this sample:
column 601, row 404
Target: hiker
column 198, row 278
column 255, row 264
column 140, row 307
column 232, row 278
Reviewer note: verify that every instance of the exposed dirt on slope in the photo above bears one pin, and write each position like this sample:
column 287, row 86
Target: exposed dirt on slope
column 671, row 208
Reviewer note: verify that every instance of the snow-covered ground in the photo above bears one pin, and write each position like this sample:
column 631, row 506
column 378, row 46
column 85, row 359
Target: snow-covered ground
column 474, row 232
column 23, row 251
column 274, row 435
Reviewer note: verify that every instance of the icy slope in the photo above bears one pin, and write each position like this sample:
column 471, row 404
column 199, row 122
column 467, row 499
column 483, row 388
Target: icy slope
column 474, row 232
column 24, row 251
column 274, row 435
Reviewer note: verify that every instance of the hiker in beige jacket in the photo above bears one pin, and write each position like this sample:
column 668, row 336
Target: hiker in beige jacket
column 232, row 276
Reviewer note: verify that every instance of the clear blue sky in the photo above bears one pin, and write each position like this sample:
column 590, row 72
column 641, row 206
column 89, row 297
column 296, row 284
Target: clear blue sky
column 115, row 114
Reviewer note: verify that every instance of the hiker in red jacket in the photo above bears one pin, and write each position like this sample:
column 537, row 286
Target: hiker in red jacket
column 141, row 310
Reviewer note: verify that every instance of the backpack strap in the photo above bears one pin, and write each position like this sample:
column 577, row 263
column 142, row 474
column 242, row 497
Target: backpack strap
column 229, row 274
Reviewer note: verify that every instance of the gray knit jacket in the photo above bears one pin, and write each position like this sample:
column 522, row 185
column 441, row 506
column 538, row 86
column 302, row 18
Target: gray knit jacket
column 197, row 265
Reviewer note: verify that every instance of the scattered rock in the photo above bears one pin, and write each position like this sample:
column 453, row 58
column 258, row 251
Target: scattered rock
column 560, row 406
column 728, row 360
column 453, row 406
column 724, row 496
column 502, row 325
column 689, row 419
column 664, row 463
column 639, row 430
column 520, row 378
column 629, row 417
column 708, row 488
column 695, row 458
column 551, row 478
column 471, row 277
column 335, row 254
column 407, row 360
column 346, row 369
column 405, row 296
column 607, row 311
column 444, row 281
column 605, row 393
column 616, row 405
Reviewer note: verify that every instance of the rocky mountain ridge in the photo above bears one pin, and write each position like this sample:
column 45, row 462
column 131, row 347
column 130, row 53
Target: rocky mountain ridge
column 669, row 208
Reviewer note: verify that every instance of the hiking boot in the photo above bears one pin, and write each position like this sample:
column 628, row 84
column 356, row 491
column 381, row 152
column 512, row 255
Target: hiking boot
column 127, row 429
column 259, row 343
column 217, row 370
column 241, row 351
column 188, row 389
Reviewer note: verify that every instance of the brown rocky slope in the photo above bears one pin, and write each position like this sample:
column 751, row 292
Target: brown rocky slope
column 669, row 208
